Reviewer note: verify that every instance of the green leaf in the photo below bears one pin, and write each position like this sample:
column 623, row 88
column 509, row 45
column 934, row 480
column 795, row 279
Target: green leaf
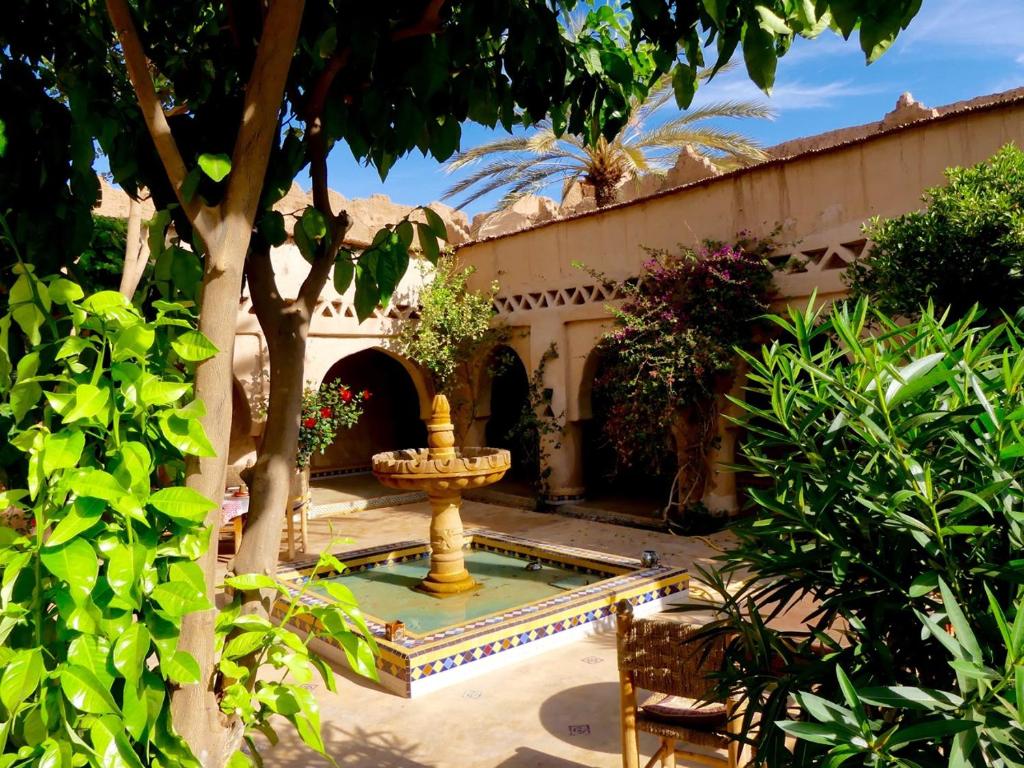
column 182, row 668
column 72, row 347
column 215, row 166
column 367, row 293
column 108, row 304
column 131, row 649
column 134, row 466
column 924, row 584
column 133, row 341
column 178, row 598
column 157, row 392
column 760, row 56
column 89, row 401
column 771, row 22
column 64, row 291
column 187, row 435
column 272, row 228
column 684, row 84
column 247, row 582
column 194, row 347
column 124, row 572
column 21, row 678
column 344, row 270
column 306, row 246
column 428, row 242
column 932, row 730
column 244, row 643
column 93, row 653
column 85, row 692
column 113, row 750
column 819, row 733
column 182, row 504
column 74, row 563
column 62, row 450
column 314, row 223
column 436, row 224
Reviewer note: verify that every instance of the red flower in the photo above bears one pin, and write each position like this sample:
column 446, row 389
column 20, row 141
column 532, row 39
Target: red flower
column 367, row 394
column 346, row 395
column 326, row 412
column 310, row 422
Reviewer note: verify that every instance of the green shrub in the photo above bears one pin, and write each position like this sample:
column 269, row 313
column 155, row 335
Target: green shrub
column 893, row 507
column 966, row 247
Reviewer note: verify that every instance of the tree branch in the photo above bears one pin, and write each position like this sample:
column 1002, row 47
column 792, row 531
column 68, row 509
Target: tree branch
column 152, row 110
column 258, row 129
column 430, row 22
column 259, row 271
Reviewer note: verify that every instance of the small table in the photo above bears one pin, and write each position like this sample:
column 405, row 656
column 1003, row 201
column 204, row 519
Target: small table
column 233, row 510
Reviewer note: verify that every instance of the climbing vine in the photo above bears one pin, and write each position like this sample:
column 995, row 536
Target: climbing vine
column 537, row 428
column 673, row 348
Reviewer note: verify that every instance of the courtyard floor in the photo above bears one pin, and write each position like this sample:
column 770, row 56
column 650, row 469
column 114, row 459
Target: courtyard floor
column 556, row 710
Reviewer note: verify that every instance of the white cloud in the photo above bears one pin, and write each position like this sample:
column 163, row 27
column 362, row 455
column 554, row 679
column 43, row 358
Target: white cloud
column 787, row 95
column 1020, row 59
column 968, row 25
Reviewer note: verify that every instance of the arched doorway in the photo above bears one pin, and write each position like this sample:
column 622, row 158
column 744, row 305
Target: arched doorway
column 634, row 490
column 510, row 425
column 391, row 418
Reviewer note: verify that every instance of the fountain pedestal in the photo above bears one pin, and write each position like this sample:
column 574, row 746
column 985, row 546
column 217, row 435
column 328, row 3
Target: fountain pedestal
column 443, row 471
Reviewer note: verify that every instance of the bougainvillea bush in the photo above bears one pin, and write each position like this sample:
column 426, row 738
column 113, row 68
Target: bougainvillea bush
column 673, row 344
column 325, row 411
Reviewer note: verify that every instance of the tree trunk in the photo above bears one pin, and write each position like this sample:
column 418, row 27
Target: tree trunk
column 195, row 710
column 136, row 252
column 272, row 475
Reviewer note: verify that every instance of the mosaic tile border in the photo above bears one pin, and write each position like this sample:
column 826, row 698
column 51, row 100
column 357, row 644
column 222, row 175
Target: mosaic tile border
column 416, row 663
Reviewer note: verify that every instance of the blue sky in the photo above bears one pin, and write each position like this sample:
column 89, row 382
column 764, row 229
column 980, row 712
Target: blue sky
column 953, row 50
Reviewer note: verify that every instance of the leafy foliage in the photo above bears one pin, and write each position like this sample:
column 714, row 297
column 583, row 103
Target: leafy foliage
column 100, row 265
column 674, row 341
column 325, row 411
column 892, row 505
column 536, row 429
column 251, row 645
column 453, row 327
column 96, row 402
column 966, row 247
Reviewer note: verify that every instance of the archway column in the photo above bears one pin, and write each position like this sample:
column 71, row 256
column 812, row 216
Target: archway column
column 562, row 450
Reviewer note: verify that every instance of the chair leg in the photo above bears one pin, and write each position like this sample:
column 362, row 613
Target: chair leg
column 236, row 526
column 291, row 533
column 668, row 759
column 304, row 525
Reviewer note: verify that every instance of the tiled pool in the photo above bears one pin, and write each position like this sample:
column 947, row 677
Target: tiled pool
column 515, row 614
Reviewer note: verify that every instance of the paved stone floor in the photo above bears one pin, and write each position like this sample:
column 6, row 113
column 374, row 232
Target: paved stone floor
column 556, row 710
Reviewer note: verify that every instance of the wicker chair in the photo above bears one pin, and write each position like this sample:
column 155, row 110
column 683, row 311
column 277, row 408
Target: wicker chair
column 656, row 655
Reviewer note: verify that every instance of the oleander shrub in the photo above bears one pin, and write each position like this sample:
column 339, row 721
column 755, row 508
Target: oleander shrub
column 892, row 514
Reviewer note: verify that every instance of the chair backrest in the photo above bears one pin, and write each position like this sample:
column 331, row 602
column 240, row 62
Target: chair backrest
column 664, row 656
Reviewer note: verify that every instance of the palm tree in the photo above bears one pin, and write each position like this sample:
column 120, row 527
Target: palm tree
column 524, row 165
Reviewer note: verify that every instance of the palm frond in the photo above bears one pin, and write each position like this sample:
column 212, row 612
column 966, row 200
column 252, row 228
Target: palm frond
column 520, row 176
column 474, row 155
column 728, row 142
column 739, row 109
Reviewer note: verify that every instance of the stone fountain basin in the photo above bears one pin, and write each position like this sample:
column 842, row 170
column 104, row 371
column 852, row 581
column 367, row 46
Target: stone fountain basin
column 414, row 468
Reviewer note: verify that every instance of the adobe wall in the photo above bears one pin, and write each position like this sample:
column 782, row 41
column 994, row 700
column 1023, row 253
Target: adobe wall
column 819, row 200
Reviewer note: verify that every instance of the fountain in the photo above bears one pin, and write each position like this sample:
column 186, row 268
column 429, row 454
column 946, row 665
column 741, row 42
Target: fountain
column 524, row 595
column 443, row 472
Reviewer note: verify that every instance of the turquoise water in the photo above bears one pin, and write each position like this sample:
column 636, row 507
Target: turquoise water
column 386, row 592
